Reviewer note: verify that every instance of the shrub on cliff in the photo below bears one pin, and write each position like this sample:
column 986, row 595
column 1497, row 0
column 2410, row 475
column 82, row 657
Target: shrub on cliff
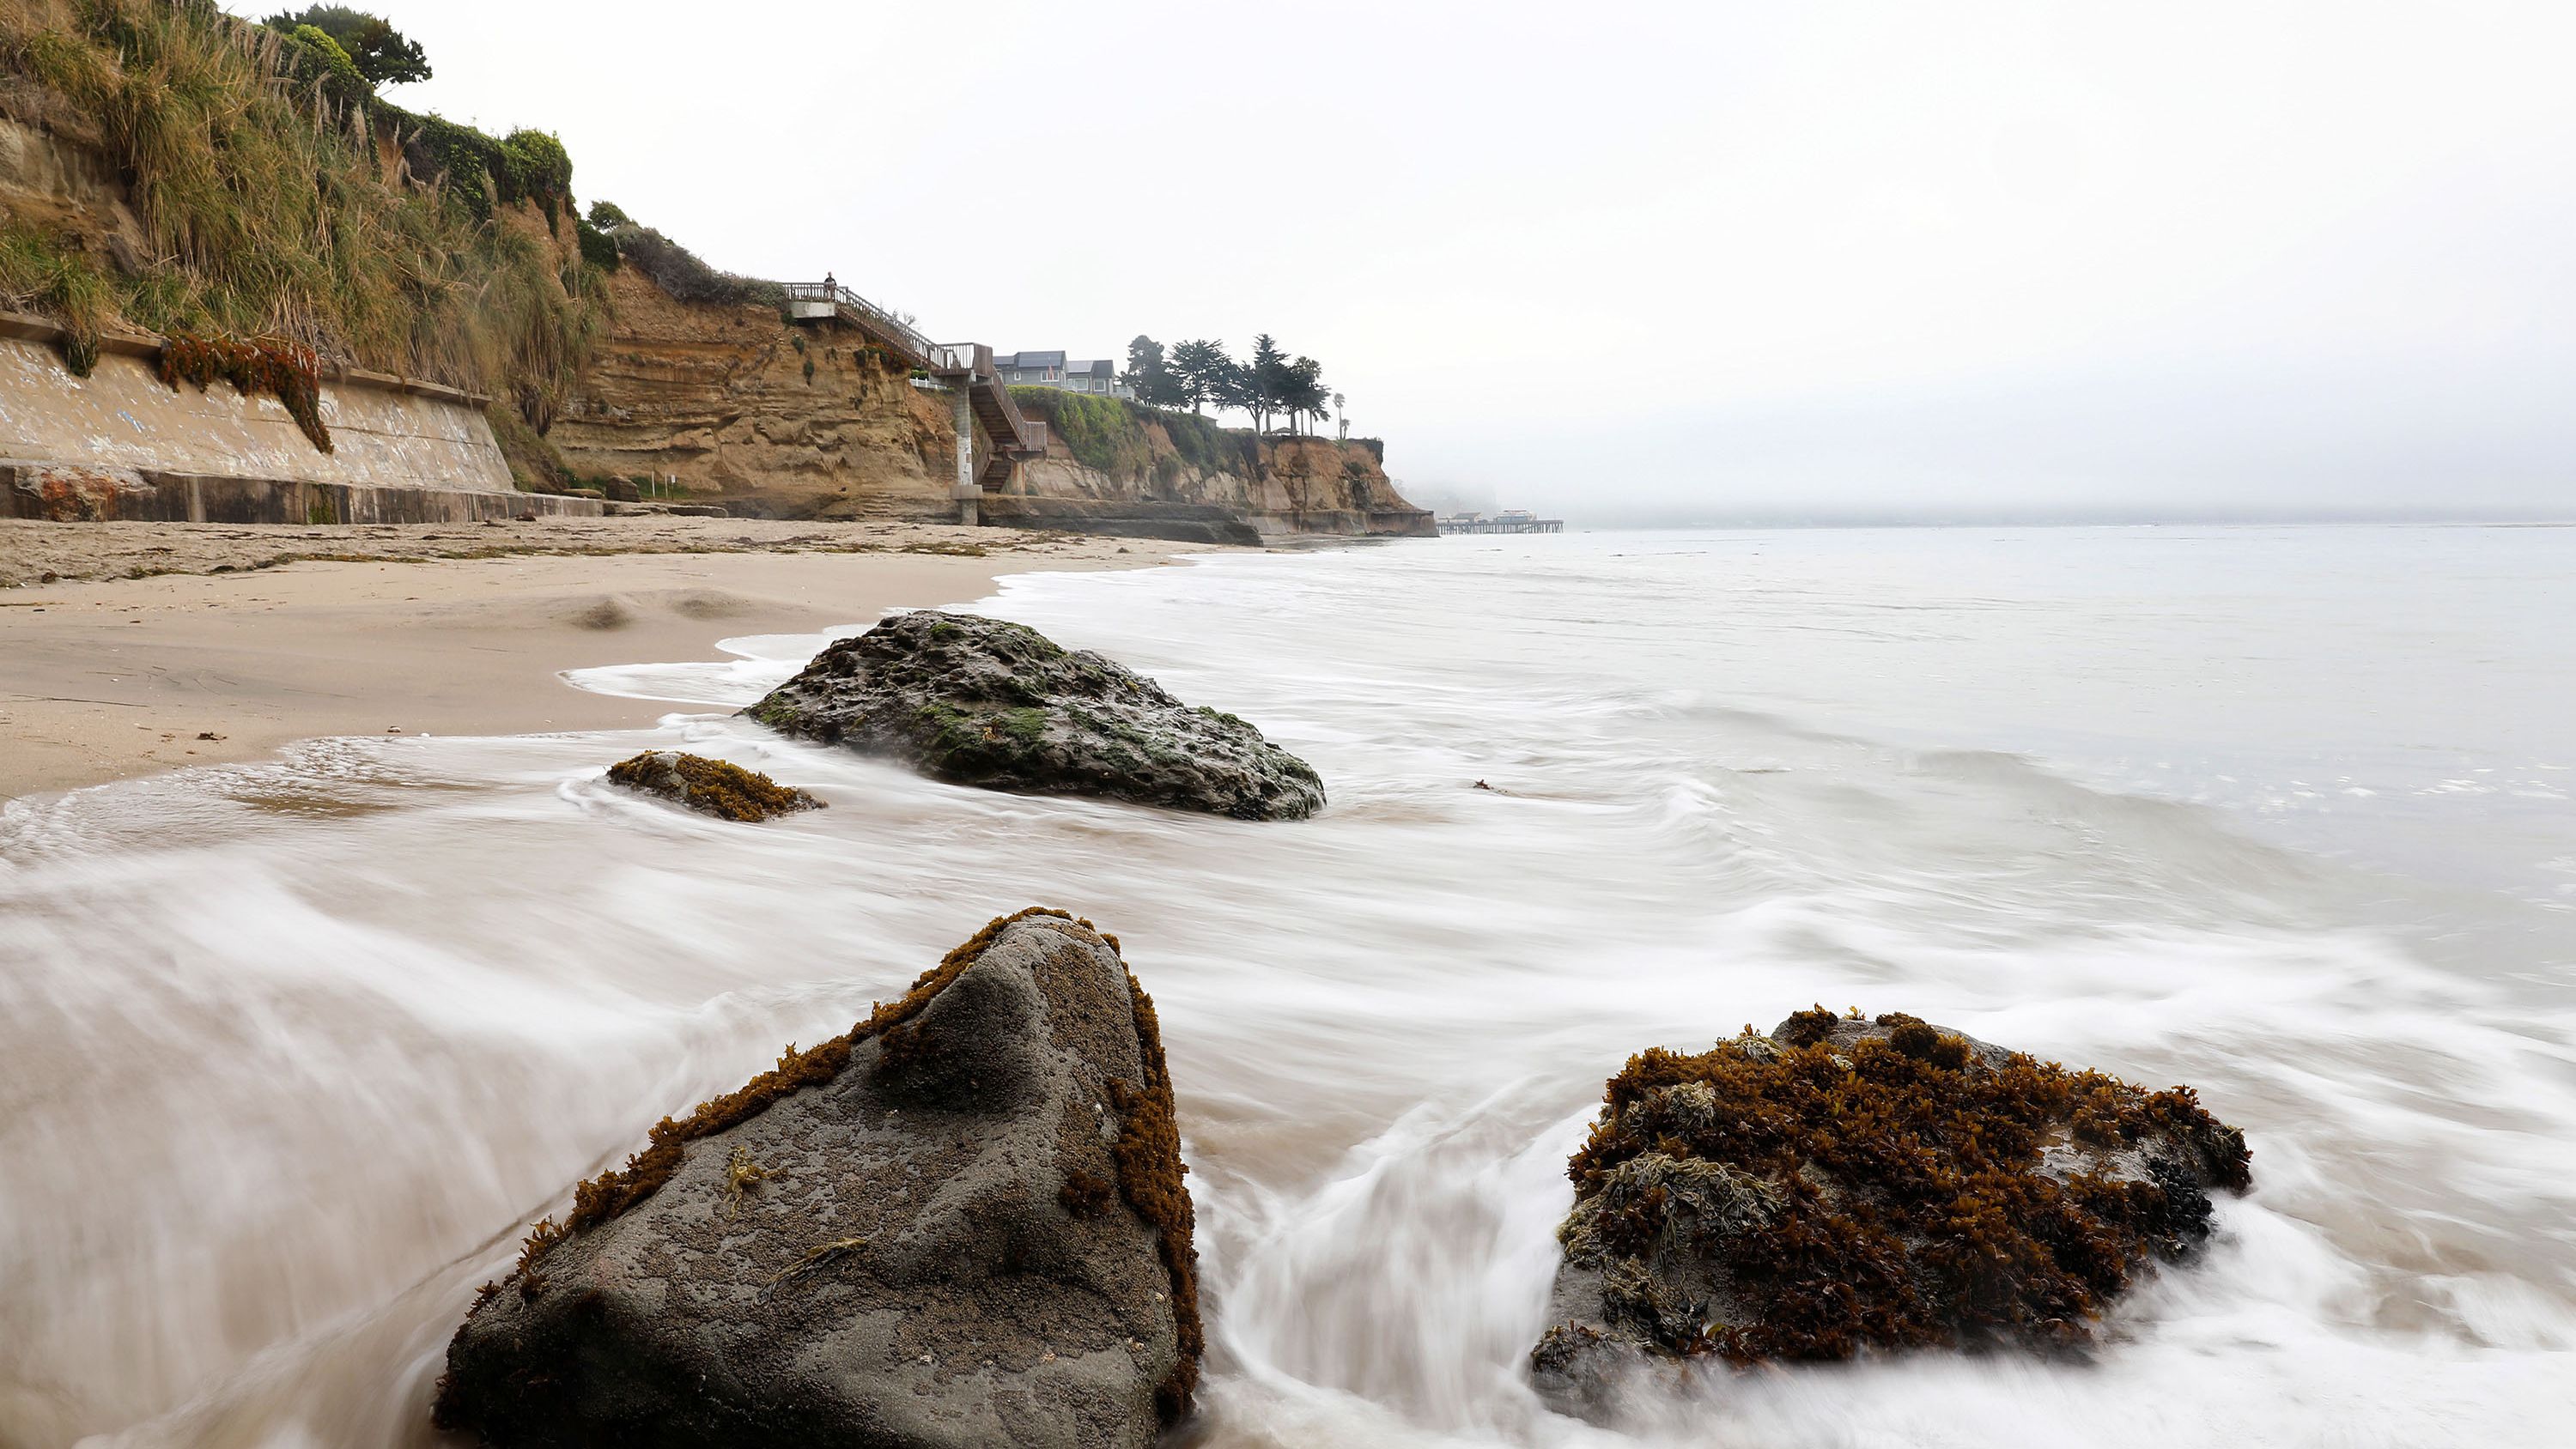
column 678, row 271
column 377, row 53
column 597, row 247
column 331, row 64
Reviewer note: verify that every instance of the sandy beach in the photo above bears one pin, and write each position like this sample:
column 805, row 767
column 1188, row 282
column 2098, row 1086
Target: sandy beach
column 130, row 648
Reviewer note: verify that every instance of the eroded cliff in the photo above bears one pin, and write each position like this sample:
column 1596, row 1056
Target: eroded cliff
column 802, row 420
column 812, row 419
column 1113, row 459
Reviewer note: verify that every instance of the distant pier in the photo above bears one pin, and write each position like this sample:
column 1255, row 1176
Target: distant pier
column 1510, row 520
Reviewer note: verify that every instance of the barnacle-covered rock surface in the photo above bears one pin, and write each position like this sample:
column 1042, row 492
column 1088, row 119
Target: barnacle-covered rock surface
column 1846, row 1184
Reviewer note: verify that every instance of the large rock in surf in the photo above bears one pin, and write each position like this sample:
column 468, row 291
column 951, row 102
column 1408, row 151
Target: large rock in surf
column 963, row 1223
column 1842, row 1185
column 983, row 702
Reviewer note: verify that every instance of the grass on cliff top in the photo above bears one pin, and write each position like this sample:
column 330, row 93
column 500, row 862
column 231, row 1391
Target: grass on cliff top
column 270, row 209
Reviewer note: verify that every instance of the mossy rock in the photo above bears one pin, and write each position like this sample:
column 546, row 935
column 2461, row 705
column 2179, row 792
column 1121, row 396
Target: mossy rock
column 983, row 702
column 963, row 1222
column 1846, row 1185
column 714, row 787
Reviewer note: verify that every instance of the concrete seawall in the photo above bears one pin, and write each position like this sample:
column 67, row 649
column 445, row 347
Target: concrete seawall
column 122, row 444
column 69, row 493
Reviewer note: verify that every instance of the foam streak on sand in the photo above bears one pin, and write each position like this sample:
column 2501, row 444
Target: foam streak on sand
column 296, row 1050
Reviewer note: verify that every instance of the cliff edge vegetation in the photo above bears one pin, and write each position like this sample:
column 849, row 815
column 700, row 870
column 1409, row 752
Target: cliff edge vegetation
column 168, row 168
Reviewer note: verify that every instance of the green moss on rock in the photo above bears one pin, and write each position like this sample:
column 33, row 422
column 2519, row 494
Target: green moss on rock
column 986, row 702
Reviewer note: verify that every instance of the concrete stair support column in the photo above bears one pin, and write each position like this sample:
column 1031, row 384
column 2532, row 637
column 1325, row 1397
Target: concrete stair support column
column 967, row 492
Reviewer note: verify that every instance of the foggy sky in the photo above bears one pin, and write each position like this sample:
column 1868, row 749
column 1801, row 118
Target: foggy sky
column 1689, row 260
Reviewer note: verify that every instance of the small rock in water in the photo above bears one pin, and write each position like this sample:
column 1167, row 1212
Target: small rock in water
column 714, row 787
column 674, row 1308
column 982, row 702
column 1845, row 1185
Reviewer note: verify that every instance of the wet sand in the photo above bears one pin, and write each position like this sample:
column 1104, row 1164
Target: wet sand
column 105, row 675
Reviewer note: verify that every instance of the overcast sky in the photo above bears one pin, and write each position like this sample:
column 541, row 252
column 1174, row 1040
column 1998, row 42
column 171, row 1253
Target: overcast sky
column 1686, row 260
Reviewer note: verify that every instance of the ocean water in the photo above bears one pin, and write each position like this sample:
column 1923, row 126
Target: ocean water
column 292, row 1053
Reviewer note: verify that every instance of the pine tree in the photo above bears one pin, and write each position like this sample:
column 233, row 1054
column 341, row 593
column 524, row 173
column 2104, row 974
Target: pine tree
column 1306, row 395
column 1199, row 369
column 1270, row 381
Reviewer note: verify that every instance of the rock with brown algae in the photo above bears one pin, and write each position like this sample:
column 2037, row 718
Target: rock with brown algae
column 712, row 787
column 1842, row 1185
column 963, row 1223
column 980, row 701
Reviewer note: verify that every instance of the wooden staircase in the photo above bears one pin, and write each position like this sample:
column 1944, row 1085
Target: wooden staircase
column 1015, row 439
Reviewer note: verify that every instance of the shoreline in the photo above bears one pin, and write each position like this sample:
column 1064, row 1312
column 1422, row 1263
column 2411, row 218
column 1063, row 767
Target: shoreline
column 116, row 675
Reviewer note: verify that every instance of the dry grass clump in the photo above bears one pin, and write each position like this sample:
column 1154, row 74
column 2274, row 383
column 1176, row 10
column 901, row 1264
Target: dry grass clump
column 1888, row 1191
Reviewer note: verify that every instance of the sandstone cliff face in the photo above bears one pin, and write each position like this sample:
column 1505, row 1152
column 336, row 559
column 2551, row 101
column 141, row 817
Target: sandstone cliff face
column 807, row 420
column 57, row 182
column 1130, row 468
column 726, row 400
column 1280, row 486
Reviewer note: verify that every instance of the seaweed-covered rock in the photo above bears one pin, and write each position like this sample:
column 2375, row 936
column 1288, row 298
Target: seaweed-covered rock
column 1843, row 1184
column 983, row 702
column 715, row 787
column 962, row 1223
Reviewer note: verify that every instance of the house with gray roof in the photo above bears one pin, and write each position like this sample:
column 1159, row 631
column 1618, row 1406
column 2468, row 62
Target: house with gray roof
column 1054, row 369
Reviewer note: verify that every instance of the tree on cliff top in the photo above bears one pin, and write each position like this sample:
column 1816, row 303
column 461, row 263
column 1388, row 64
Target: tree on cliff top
column 1271, row 379
column 1304, row 394
column 1270, row 384
column 1153, row 377
column 1200, row 371
column 381, row 53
